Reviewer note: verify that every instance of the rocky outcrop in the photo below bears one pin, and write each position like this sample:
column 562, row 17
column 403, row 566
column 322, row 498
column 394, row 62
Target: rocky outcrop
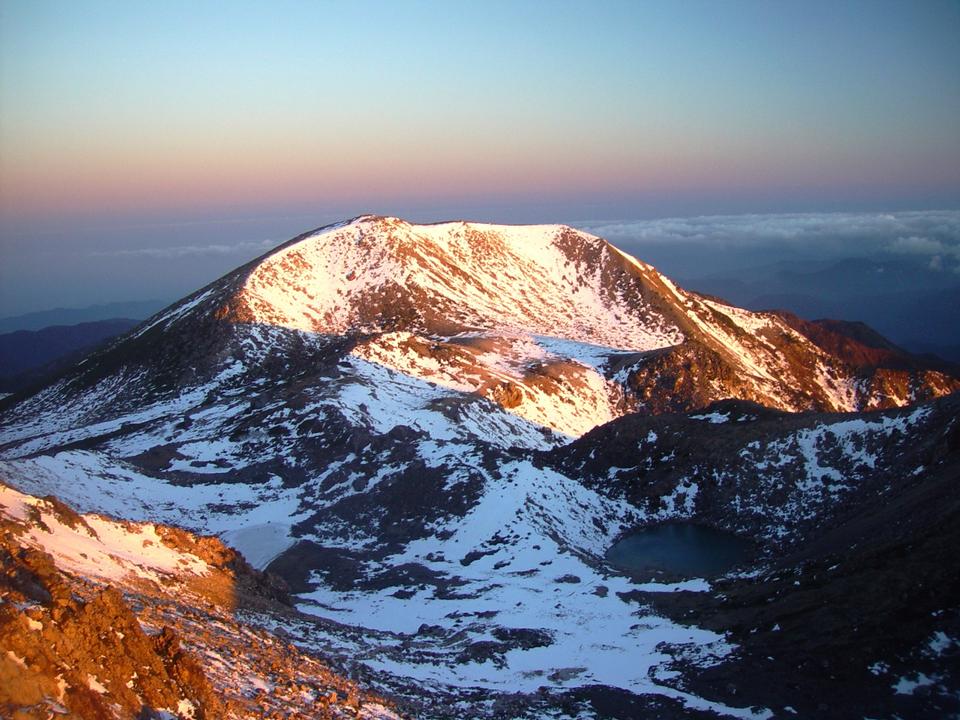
column 237, row 585
column 682, row 378
column 87, row 657
column 149, row 645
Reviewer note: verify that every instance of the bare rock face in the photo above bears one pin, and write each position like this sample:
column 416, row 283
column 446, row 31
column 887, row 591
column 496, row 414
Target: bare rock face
column 682, row 378
column 506, row 394
column 238, row 585
column 118, row 620
column 184, row 669
column 89, row 658
column 886, row 374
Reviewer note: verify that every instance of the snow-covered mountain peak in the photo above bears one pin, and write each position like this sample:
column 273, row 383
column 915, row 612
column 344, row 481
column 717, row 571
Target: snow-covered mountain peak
column 376, row 273
column 544, row 329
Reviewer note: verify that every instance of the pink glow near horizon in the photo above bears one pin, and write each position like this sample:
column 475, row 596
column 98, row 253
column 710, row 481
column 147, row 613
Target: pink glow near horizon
column 131, row 108
column 167, row 179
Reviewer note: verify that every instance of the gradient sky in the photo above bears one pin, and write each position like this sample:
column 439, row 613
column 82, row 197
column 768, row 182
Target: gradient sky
column 128, row 124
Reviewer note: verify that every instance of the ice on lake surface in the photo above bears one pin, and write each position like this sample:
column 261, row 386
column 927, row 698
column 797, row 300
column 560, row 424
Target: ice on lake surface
column 684, row 549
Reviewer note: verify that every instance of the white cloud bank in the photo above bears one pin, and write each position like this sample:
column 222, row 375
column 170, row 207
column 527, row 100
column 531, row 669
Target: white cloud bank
column 174, row 252
column 932, row 235
column 906, row 229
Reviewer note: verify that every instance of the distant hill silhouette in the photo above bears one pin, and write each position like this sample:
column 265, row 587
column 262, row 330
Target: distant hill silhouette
column 27, row 356
column 137, row 310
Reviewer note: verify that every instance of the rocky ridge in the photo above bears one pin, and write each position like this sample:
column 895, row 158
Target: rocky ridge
column 554, row 325
column 100, row 619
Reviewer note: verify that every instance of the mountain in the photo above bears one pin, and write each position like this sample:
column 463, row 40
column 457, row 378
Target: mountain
column 73, row 316
column 862, row 347
column 856, row 611
column 78, row 591
column 433, row 434
column 27, row 356
column 904, row 299
column 556, row 326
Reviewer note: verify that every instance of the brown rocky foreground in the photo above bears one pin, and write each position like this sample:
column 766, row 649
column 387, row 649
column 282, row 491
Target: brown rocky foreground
column 101, row 647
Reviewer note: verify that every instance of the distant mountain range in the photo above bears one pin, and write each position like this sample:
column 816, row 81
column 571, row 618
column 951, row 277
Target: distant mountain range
column 29, row 356
column 137, row 310
column 38, row 345
column 432, row 435
column 905, row 301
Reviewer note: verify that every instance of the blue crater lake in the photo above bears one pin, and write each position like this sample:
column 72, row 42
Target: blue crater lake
column 684, row 549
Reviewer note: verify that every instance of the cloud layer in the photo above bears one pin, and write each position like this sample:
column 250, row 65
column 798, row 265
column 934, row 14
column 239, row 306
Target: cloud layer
column 932, row 235
column 176, row 252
